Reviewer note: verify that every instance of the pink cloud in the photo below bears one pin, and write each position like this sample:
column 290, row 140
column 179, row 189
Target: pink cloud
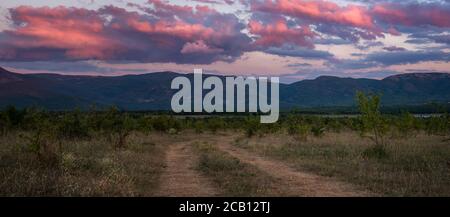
column 77, row 31
column 318, row 11
column 412, row 14
column 165, row 32
column 112, row 33
column 278, row 33
column 199, row 47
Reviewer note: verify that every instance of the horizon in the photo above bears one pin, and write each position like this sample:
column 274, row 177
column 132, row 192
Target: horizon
column 294, row 40
column 212, row 74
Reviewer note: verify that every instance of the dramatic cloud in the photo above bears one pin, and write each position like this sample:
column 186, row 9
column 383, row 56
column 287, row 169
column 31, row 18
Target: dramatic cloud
column 354, row 22
column 348, row 22
column 279, row 33
column 199, row 47
column 414, row 14
column 166, row 33
column 318, row 11
column 322, row 35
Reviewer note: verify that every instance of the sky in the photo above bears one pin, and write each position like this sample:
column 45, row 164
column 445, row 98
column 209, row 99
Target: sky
column 292, row 39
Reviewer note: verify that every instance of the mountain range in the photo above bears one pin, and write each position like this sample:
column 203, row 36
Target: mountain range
column 152, row 91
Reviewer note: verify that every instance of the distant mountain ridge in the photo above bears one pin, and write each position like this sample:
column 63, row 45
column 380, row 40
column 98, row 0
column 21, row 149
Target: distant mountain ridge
column 152, row 91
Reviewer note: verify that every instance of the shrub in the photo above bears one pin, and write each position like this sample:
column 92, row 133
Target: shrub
column 371, row 119
column 72, row 126
column 215, row 124
column 145, row 124
column 41, row 141
column 438, row 125
column 406, row 124
column 118, row 127
column 252, row 126
column 161, row 123
column 299, row 131
column 12, row 118
column 318, row 131
column 199, row 126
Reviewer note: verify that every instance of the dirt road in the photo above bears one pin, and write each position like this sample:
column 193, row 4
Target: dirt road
column 180, row 177
column 296, row 183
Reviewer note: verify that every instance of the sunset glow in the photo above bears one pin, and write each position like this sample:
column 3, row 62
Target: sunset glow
column 294, row 39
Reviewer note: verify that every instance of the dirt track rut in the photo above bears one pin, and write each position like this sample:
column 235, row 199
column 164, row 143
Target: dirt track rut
column 180, row 177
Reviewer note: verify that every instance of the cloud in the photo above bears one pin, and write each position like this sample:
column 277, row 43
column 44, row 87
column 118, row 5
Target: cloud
column 359, row 21
column 278, row 34
column 297, row 65
column 349, row 22
column 199, row 47
column 229, row 2
column 112, row 33
column 413, row 14
column 407, row 57
column 394, row 48
column 390, row 58
column 318, row 11
column 202, row 33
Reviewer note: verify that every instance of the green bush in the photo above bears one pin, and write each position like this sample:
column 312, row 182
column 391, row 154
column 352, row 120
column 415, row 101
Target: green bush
column 299, row 131
column 318, row 131
column 252, row 126
column 406, row 124
column 199, row 126
column 214, row 124
column 118, row 127
column 41, row 141
column 371, row 119
column 438, row 125
column 145, row 124
column 12, row 118
column 72, row 126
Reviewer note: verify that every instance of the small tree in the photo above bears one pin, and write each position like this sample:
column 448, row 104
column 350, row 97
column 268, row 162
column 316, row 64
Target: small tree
column 118, row 126
column 41, row 139
column 13, row 117
column 252, row 126
column 371, row 119
column 72, row 126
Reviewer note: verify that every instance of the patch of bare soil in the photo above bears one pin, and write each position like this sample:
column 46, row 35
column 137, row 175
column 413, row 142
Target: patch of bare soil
column 180, row 179
column 296, row 183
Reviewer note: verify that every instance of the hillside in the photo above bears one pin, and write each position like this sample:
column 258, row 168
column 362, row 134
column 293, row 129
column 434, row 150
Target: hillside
column 152, row 91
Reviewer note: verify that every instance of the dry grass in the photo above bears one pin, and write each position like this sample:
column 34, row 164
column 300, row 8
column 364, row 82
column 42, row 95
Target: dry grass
column 416, row 166
column 234, row 177
column 90, row 167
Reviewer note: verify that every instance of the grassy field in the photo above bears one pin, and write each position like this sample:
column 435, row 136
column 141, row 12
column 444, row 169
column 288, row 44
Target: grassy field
column 88, row 167
column 112, row 153
column 416, row 166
